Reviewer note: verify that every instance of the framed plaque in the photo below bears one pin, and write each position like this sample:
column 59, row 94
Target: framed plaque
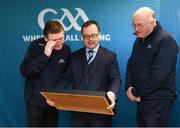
column 79, row 100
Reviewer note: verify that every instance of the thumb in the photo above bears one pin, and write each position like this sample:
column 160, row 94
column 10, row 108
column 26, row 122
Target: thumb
column 51, row 103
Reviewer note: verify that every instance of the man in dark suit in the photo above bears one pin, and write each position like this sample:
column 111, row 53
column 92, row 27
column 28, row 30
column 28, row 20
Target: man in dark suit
column 93, row 68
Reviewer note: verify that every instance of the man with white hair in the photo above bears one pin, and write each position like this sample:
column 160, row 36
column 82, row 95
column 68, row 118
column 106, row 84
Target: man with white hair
column 151, row 70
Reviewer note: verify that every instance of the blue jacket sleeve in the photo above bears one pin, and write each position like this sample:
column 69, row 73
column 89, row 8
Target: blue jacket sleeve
column 33, row 62
column 128, row 75
column 128, row 79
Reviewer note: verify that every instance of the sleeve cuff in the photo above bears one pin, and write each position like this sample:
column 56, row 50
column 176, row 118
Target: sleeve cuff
column 112, row 93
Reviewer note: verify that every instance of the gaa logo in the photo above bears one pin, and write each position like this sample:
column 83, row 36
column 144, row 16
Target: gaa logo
column 67, row 14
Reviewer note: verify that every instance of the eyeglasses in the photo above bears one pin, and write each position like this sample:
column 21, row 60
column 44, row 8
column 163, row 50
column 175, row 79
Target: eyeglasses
column 139, row 25
column 92, row 36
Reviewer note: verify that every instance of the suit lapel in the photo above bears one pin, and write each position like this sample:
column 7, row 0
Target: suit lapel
column 83, row 61
column 96, row 61
column 83, row 67
column 83, row 56
column 98, row 55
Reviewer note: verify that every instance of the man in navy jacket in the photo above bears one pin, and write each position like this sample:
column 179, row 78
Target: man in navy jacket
column 151, row 70
column 44, row 62
column 93, row 67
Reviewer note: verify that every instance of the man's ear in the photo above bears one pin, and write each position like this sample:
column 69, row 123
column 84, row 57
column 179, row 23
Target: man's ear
column 45, row 38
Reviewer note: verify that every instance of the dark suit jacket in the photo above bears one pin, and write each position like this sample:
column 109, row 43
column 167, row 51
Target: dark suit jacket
column 101, row 75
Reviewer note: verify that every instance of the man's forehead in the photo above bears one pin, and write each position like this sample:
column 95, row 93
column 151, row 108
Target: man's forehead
column 90, row 28
column 55, row 35
column 140, row 17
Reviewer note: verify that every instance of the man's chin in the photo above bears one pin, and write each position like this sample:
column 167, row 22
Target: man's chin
column 140, row 36
column 57, row 48
column 91, row 46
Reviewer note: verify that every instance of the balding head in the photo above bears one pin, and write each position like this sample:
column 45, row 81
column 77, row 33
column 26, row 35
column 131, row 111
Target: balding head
column 144, row 21
column 145, row 13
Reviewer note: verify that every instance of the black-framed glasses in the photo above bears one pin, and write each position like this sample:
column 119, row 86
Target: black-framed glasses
column 92, row 36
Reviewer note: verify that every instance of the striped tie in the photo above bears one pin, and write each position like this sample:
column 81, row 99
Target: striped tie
column 90, row 52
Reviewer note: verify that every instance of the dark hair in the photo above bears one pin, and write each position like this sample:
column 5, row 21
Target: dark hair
column 90, row 22
column 52, row 27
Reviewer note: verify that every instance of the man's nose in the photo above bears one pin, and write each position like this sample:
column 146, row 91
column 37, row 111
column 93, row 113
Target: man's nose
column 90, row 38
